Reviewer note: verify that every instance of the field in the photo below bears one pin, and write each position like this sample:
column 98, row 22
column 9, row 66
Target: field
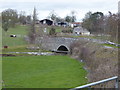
column 43, row 72
column 19, row 31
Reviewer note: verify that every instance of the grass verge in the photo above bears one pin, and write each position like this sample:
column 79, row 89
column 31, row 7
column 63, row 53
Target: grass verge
column 43, row 72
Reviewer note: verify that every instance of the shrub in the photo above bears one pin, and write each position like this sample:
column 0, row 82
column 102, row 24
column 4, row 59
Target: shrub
column 52, row 31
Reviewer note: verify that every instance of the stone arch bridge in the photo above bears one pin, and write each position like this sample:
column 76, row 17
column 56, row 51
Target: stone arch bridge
column 56, row 44
column 61, row 44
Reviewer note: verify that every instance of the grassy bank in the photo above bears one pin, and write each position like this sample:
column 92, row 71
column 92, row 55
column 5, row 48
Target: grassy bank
column 43, row 72
column 20, row 31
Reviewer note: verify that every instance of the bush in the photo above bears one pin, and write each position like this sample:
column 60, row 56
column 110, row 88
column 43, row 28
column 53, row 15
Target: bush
column 52, row 31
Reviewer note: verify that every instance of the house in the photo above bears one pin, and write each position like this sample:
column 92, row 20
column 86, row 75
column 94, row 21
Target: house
column 80, row 31
column 62, row 24
column 46, row 22
column 75, row 24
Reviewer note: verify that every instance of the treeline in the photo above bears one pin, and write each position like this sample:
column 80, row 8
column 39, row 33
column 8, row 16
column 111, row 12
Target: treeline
column 98, row 23
column 10, row 17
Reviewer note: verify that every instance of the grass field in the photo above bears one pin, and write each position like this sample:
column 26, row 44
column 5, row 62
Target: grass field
column 43, row 72
column 19, row 31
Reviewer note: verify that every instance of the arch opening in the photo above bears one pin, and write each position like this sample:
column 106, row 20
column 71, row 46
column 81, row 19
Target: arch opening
column 62, row 48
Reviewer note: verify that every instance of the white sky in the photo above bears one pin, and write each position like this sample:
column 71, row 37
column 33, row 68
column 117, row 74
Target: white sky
column 61, row 7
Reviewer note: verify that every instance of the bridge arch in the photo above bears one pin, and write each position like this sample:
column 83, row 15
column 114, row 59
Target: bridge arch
column 63, row 48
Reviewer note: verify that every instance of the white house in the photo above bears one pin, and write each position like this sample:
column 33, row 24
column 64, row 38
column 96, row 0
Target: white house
column 80, row 31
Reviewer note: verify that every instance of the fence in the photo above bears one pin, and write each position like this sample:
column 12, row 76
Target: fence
column 99, row 82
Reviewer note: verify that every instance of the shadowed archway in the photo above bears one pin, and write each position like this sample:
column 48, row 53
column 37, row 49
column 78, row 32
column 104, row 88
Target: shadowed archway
column 62, row 48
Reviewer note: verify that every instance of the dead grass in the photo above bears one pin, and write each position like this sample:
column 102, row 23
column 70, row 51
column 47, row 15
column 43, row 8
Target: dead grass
column 101, row 62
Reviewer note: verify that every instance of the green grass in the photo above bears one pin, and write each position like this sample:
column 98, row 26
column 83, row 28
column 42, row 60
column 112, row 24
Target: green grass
column 57, row 29
column 20, row 31
column 18, row 49
column 109, row 45
column 43, row 72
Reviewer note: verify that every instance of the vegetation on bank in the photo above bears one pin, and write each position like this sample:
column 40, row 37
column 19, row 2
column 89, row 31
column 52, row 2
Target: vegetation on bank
column 100, row 62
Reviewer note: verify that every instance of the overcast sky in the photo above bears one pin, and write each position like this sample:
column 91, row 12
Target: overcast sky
column 61, row 7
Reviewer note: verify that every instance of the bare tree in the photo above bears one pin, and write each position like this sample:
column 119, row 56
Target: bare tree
column 73, row 16
column 22, row 17
column 52, row 15
column 32, row 32
column 111, row 26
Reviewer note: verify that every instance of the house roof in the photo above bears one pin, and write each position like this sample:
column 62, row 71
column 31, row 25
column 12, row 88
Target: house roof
column 77, row 23
column 46, row 20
